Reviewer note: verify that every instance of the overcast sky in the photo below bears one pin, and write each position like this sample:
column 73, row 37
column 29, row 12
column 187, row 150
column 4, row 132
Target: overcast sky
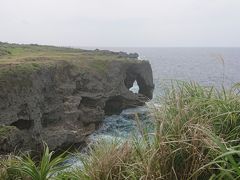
column 121, row 22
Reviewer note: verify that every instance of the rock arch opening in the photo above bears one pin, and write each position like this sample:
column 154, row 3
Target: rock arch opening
column 138, row 82
column 138, row 79
column 23, row 124
column 135, row 83
column 135, row 87
column 131, row 81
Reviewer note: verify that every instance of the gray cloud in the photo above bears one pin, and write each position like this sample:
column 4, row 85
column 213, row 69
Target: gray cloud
column 121, row 22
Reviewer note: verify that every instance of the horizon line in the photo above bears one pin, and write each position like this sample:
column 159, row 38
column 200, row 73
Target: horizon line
column 96, row 46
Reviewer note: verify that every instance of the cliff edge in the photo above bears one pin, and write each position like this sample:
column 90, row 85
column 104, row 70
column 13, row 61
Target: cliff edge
column 61, row 95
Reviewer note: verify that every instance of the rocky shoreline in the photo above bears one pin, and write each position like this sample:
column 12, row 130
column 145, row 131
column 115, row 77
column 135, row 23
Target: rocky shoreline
column 62, row 103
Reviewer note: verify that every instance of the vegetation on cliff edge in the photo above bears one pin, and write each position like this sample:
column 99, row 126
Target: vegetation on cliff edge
column 4, row 130
column 18, row 59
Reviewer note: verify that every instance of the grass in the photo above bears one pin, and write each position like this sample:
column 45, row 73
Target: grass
column 195, row 135
column 17, row 59
column 5, row 130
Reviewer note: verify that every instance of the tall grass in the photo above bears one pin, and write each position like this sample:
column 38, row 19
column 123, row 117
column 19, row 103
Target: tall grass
column 196, row 133
column 7, row 170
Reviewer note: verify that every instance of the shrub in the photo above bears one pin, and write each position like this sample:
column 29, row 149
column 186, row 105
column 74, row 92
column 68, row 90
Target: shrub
column 25, row 167
column 7, row 171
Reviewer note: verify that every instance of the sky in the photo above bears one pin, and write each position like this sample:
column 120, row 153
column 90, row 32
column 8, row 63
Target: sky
column 122, row 23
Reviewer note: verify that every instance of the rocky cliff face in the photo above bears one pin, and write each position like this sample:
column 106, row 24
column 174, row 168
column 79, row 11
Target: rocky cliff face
column 62, row 104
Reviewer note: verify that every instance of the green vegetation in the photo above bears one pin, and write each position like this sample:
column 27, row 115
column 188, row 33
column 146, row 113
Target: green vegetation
column 195, row 136
column 100, row 66
column 5, row 131
column 18, row 59
column 24, row 167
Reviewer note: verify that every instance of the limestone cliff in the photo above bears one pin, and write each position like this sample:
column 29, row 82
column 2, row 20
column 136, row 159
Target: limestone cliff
column 62, row 96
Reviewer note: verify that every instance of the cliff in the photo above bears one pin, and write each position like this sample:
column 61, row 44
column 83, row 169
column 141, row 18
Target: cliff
column 60, row 95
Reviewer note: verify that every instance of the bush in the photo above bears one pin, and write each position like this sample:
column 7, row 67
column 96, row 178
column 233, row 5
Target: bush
column 24, row 167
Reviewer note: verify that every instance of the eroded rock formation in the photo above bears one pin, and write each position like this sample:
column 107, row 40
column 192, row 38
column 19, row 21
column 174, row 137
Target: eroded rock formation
column 62, row 104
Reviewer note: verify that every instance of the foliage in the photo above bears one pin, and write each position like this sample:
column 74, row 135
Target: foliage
column 7, row 170
column 25, row 167
column 4, row 130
